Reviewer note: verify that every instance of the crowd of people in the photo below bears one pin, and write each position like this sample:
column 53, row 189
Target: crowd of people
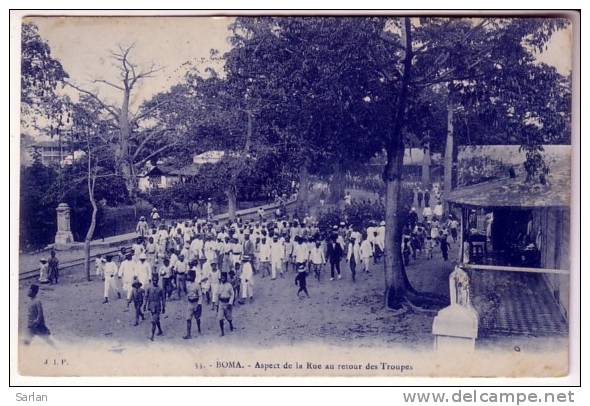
column 433, row 229
column 213, row 265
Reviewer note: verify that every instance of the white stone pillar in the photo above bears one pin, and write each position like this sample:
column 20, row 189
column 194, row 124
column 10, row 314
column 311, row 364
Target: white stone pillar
column 63, row 237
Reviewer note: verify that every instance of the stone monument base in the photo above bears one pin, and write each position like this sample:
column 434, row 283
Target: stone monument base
column 455, row 329
column 63, row 240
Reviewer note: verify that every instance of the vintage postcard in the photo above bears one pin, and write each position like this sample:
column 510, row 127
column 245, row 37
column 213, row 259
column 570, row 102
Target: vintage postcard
column 295, row 195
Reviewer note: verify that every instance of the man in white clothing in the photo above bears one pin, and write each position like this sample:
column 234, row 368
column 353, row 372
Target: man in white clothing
column 366, row 254
column 353, row 256
column 247, row 279
column 300, row 252
column 196, row 248
column 264, row 257
column 277, row 257
column 110, row 278
column 126, row 274
column 144, row 270
column 317, row 258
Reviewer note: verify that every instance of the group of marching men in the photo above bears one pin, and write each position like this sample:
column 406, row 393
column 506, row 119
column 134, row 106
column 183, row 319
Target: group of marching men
column 214, row 264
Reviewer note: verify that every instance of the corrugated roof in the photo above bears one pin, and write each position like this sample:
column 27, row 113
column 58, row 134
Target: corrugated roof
column 516, row 192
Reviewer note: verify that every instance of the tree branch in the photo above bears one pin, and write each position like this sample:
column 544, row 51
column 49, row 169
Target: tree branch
column 156, row 152
column 106, row 82
column 111, row 109
column 148, row 111
column 146, row 139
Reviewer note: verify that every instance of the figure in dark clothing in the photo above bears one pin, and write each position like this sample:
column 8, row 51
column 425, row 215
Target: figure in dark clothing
column 334, row 255
column 137, row 296
column 444, row 248
column 426, row 198
column 156, row 303
column 53, row 268
column 420, row 196
column 36, row 326
column 301, row 280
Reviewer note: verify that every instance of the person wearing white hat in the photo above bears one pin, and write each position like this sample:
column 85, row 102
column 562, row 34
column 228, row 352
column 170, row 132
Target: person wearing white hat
column 143, row 270
column 126, row 274
column 181, row 268
column 247, row 279
column 196, row 247
column 353, row 256
column 264, row 258
column 277, row 256
column 155, row 217
column 142, row 227
column 43, row 271
column 367, row 252
column 214, row 276
column 110, row 278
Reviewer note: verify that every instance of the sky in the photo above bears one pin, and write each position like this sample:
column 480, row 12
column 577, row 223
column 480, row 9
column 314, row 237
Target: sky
column 82, row 44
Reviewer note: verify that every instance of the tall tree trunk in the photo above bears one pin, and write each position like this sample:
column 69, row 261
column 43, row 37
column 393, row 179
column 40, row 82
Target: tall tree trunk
column 448, row 181
column 396, row 281
column 303, row 192
column 91, row 228
column 125, row 164
column 232, row 203
column 337, row 186
column 426, row 161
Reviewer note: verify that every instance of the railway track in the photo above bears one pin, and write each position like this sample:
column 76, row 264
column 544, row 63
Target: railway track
column 35, row 272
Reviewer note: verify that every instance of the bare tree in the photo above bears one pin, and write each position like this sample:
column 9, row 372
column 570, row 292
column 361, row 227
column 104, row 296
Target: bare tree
column 129, row 140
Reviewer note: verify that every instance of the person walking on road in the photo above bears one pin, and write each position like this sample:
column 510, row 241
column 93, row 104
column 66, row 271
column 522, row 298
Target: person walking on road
column 53, row 267
column 194, row 305
column 334, row 253
column 317, row 259
column 110, row 278
column 301, row 280
column 36, row 326
column 353, row 256
column 225, row 303
column 156, row 303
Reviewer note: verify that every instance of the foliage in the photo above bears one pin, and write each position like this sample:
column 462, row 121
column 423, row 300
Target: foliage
column 328, row 219
column 41, row 74
column 37, row 215
column 360, row 215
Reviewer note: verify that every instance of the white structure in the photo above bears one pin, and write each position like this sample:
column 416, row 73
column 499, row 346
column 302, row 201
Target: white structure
column 63, row 238
column 455, row 327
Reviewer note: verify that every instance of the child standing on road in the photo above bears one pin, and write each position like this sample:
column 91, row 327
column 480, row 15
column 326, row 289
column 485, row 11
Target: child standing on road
column 53, row 265
column 137, row 295
column 429, row 246
column 43, row 271
column 301, row 280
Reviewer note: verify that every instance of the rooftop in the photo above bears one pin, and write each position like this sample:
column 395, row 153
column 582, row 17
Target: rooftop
column 517, row 192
